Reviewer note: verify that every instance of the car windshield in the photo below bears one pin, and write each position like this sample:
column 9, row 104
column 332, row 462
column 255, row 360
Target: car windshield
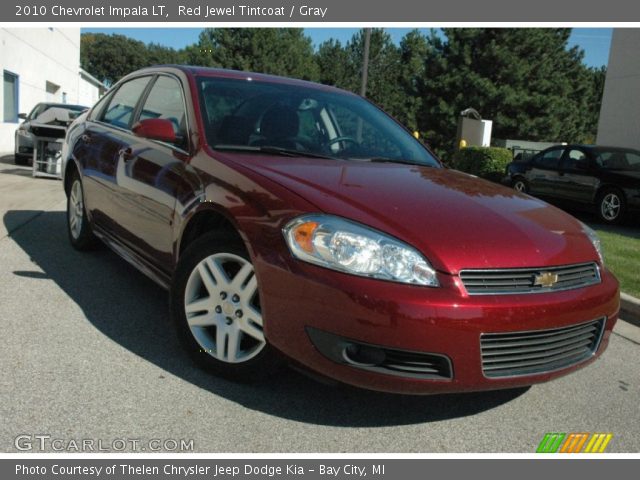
column 617, row 159
column 256, row 116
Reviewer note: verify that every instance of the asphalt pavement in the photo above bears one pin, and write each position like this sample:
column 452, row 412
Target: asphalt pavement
column 88, row 354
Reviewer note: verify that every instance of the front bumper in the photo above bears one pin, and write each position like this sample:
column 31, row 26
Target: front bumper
column 24, row 144
column 443, row 321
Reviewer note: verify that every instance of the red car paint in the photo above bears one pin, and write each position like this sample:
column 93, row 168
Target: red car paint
column 456, row 221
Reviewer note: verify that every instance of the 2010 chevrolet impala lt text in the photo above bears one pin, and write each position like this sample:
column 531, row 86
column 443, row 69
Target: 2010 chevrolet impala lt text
column 296, row 222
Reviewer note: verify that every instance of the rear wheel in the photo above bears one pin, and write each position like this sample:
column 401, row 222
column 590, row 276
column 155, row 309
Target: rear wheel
column 78, row 227
column 611, row 206
column 215, row 305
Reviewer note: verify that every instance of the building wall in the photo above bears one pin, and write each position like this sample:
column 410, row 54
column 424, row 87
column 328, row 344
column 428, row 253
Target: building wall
column 619, row 123
column 40, row 57
column 88, row 92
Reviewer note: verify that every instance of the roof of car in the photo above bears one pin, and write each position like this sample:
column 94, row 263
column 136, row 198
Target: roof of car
column 243, row 75
column 63, row 105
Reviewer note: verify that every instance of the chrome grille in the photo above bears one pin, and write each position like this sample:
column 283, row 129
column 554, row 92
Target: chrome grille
column 538, row 351
column 529, row 280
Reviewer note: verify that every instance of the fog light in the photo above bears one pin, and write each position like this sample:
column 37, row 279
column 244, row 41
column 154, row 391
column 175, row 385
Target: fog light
column 363, row 355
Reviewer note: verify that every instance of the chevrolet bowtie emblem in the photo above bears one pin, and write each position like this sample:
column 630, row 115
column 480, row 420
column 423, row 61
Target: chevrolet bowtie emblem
column 545, row 279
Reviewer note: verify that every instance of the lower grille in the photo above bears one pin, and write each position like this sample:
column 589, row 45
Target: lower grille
column 381, row 359
column 529, row 280
column 539, row 351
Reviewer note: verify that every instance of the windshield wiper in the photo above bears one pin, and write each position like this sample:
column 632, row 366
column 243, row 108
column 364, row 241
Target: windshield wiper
column 290, row 152
column 285, row 152
column 395, row 160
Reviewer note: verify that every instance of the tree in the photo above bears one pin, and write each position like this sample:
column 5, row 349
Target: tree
column 278, row 51
column 110, row 57
column 526, row 80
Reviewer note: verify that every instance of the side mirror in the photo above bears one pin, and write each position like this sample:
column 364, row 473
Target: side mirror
column 22, row 116
column 155, row 129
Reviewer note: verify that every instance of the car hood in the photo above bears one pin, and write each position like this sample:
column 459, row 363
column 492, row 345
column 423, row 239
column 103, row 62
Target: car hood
column 456, row 220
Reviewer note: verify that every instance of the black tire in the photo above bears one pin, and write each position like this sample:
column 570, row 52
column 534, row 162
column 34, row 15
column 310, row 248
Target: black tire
column 19, row 159
column 520, row 184
column 611, row 206
column 81, row 237
column 264, row 363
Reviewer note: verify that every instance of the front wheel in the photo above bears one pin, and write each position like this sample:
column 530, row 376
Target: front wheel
column 611, row 206
column 215, row 305
column 520, row 185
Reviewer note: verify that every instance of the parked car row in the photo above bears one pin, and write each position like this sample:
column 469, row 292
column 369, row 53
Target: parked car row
column 297, row 222
column 604, row 178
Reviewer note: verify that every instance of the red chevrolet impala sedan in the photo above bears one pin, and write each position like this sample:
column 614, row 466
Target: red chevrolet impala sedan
column 297, row 222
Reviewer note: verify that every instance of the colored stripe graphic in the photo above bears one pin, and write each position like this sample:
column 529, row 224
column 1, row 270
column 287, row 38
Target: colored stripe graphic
column 574, row 443
column 550, row 443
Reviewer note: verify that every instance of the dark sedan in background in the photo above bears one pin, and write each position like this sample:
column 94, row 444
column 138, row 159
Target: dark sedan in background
column 24, row 137
column 607, row 178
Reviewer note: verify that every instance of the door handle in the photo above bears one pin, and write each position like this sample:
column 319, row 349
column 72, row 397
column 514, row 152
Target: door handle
column 126, row 154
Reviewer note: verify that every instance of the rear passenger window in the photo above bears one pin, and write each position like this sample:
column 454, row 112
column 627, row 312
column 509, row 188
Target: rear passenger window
column 120, row 110
column 165, row 101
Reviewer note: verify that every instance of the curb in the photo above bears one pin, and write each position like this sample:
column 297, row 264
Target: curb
column 630, row 308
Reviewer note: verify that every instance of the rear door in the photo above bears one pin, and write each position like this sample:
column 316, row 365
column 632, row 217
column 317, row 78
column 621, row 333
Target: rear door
column 149, row 174
column 545, row 172
column 100, row 147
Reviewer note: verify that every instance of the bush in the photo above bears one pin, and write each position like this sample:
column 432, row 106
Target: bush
column 485, row 162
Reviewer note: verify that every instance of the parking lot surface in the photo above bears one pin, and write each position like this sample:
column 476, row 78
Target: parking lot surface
column 88, row 353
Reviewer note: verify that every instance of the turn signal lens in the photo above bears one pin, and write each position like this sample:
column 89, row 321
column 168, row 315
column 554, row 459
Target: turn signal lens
column 303, row 235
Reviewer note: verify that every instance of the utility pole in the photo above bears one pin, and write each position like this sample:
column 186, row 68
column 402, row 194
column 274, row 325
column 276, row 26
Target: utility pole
column 365, row 61
column 365, row 74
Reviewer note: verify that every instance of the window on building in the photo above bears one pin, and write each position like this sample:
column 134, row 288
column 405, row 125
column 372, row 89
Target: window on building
column 10, row 94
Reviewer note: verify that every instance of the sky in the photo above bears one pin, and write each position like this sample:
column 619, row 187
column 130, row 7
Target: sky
column 594, row 41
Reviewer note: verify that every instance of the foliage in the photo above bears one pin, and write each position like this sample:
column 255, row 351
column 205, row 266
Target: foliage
column 528, row 81
column 485, row 162
column 277, row 51
column 110, row 57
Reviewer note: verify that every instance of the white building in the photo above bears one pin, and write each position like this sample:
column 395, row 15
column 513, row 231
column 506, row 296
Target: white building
column 38, row 65
column 619, row 123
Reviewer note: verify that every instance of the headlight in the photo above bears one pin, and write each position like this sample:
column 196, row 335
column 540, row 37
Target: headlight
column 595, row 240
column 23, row 133
column 348, row 247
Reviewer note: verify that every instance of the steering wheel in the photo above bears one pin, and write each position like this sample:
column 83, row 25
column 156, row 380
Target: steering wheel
column 343, row 138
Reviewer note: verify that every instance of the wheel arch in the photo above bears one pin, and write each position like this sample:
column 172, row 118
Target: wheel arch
column 69, row 169
column 207, row 219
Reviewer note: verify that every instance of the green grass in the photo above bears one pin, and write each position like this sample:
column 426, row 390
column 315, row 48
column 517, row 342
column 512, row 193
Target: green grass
column 622, row 257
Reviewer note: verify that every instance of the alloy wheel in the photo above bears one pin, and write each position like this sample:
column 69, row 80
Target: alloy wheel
column 519, row 186
column 610, row 206
column 76, row 209
column 222, row 308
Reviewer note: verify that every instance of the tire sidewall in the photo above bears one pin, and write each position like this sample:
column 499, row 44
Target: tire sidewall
column 85, row 240
column 264, row 363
